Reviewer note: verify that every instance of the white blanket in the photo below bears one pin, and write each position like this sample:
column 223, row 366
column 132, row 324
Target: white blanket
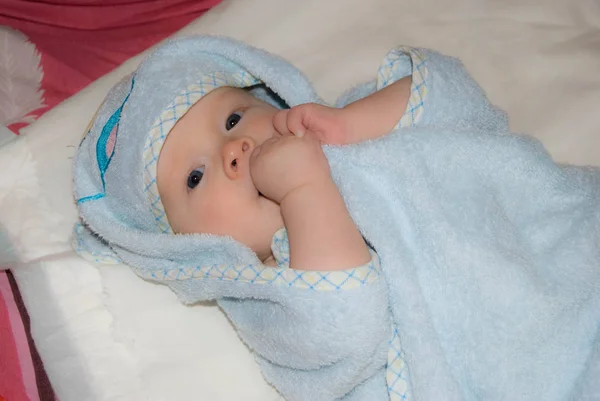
column 104, row 334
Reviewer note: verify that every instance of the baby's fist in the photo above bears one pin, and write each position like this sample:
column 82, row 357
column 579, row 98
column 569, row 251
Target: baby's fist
column 284, row 163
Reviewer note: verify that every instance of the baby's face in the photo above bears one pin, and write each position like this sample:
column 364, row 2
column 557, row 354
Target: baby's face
column 203, row 171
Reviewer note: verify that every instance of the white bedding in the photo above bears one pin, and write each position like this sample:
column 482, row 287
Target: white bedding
column 104, row 334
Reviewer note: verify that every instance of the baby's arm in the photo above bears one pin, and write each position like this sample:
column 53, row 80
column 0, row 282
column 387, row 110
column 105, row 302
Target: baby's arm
column 321, row 233
column 377, row 114
column 295, row 173
column 368, row 118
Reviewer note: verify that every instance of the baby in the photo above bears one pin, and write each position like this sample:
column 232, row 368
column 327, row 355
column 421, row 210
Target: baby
column 196, row 163
column 231, row 166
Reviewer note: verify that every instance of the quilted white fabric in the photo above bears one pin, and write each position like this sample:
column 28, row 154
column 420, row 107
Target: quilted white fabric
column 104, row 334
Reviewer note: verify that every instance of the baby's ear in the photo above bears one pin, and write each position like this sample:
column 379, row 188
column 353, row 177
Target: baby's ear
column 91, row 247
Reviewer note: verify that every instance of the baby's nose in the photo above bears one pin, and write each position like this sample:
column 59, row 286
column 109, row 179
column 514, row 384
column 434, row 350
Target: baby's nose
column 236, row 156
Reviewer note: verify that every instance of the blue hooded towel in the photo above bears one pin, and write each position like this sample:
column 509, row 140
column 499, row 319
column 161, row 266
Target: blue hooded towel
column 486, row 282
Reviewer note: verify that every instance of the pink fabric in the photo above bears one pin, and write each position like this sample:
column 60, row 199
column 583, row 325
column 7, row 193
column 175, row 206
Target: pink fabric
column 110, row 145
column 22, row 373
column 17, row 374
column 81, row 40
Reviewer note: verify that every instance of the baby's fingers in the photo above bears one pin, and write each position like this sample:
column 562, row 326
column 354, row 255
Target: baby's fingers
column 298, row 119
column 295, row 120
column 280, row 122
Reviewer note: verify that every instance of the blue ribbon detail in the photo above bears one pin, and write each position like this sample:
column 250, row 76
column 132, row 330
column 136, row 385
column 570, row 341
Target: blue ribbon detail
column 101, row 156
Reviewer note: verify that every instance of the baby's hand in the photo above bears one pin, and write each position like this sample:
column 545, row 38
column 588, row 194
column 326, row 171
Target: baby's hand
column 327, row 124
column 285, row 163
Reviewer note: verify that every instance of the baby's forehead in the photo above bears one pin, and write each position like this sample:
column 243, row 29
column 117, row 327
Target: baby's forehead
column 224, row 97
column 224, row 93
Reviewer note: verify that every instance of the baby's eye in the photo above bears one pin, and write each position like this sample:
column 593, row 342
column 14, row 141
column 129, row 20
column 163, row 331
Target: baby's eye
column 232, row 120
column 194, row 178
